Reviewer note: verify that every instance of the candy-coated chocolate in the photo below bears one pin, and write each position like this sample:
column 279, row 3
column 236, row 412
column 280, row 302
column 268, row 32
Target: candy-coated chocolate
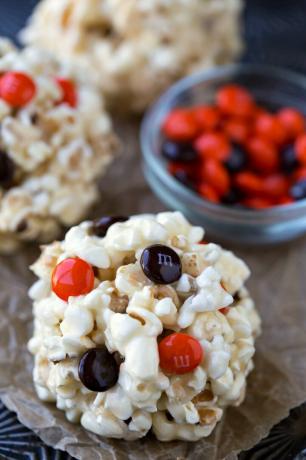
column 17, row 89
column 209, row 193
column 213, row 145
column 292, row 121
column 161, row 264
column 101, row 225
column 179, row 353
column 288, row 159
column 98, row 369
column 298, row 190
column 237, row 159
column 72, row 277
column 207, row 117
column 69, row 92
column 173, row 151
column 300, row 148
column 180, row 126
column 235, row 100
column 215, row 174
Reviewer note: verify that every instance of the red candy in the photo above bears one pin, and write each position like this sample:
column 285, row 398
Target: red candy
column 209, row 193
column 179, row 353
column 292, row 121
column 275, row 186
column 235, row 100
column 270, row 127
column 17, row 89
column 300, row 148
column 180, row 126
column 213, row 145
column 206, row 117
column 263, row 155
column 248, row 183
column 299, row 174
column 237, row 130
column 69, row 92
column 241, row 153
column 215, row 174
column 72, row 277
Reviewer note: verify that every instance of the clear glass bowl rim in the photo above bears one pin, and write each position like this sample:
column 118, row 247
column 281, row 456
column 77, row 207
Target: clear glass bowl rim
column 156, row 163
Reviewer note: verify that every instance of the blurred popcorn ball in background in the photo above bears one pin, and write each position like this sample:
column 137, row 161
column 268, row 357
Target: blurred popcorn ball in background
column 56, row 139
column 136, row 48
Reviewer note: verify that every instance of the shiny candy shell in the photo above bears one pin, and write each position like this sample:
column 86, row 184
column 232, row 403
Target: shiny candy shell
column 98, row 369
column 161, row 264
column 72, row 277
column 179, row 353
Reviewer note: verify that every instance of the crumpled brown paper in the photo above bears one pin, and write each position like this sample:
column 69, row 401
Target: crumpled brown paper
column 278, row 383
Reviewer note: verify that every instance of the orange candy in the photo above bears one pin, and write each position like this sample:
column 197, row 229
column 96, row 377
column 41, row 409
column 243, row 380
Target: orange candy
column 213, row 145
column 300, row 148
column 180, row 126
column 270, row 127
column 72, row 277
column 263, row 155
column 248, row 182
column 237, row 130
column 179, row 353
column 235, row 100
column 206, row 117
column 17, row 89
column 216, row 175
column 209, row 193
column 275, row 186
column 69, row 92
column 292, row 121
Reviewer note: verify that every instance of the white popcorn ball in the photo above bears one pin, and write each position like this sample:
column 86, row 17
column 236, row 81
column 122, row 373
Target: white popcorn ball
column 161, row 338
column 132, row 48
column 51, row 150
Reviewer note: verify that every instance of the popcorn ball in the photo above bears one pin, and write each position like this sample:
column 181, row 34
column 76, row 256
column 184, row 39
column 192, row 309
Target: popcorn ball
column 55, row 140
column 139, row 325
column 137, row 48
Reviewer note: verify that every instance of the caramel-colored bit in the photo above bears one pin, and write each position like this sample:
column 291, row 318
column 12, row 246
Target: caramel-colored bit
column 203, row 397
column 105, row 274
column 207, row 416
column 118, row 304
column 138, row 318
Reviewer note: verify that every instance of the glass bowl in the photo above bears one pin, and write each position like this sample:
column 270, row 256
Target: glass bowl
column 271, row 87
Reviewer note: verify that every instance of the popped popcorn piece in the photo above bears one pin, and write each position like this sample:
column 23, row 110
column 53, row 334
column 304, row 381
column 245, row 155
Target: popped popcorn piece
column 126, row 316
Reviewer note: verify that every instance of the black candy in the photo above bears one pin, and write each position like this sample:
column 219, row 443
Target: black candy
column 184, row 179
column 161, row 264
column 7, row 170
column 232, row 197
column 288, row 159
column 237, row 159
column 101, row 225
column 98, row 369
column 298, row 190
column 173, row 151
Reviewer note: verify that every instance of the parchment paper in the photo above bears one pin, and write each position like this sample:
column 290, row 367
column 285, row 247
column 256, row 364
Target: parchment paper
column 278, row 383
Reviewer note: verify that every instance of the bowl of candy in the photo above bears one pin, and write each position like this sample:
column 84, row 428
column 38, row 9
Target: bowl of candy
column 228, row 148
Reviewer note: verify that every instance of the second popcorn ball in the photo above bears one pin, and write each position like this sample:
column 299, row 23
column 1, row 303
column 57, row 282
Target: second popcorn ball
column 140, row 325
column 55, row 140
column 136, row 48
